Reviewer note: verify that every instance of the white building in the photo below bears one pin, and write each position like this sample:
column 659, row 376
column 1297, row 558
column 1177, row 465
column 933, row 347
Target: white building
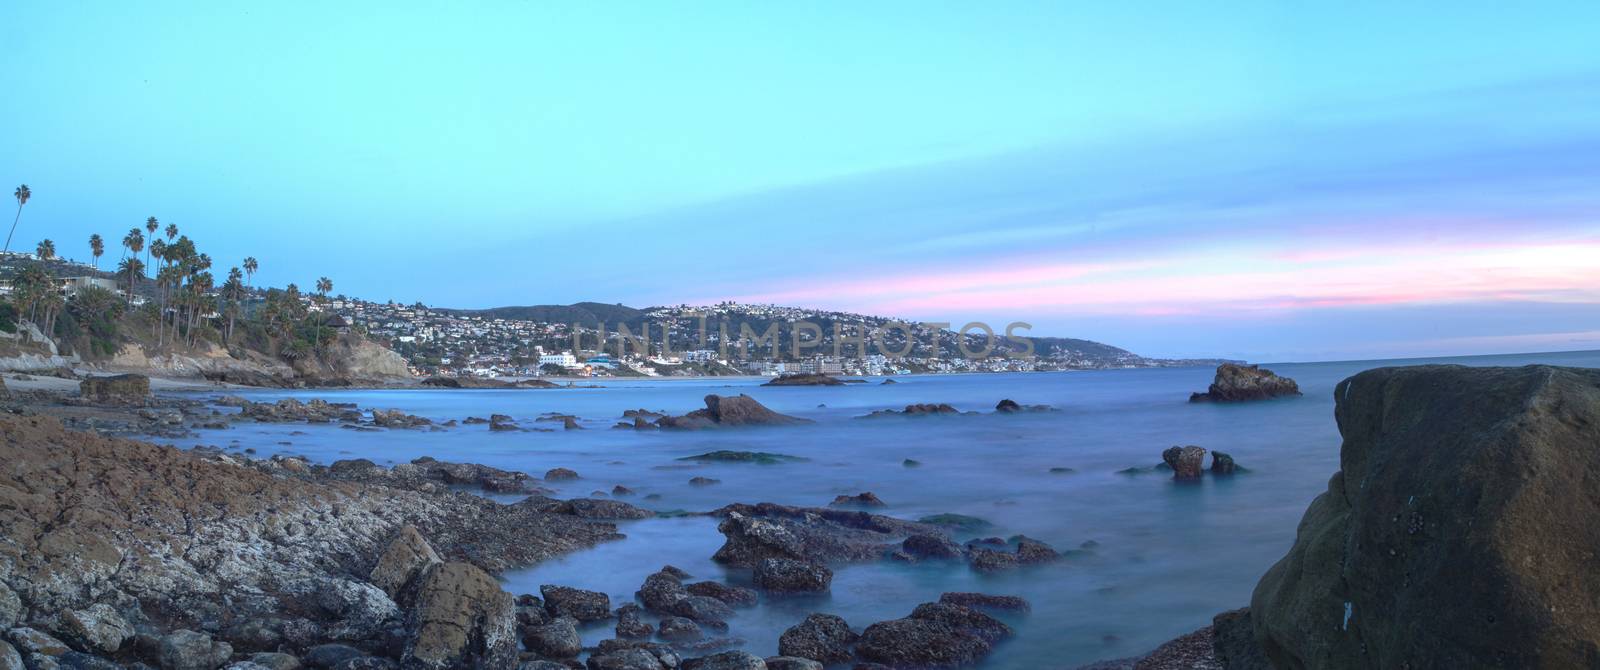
column 563, row 360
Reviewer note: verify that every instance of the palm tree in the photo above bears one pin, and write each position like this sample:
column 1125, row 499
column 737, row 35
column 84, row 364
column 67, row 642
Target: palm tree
column 250, row 267
column 233, row 292
column 46, row 250
column 22, row 194
column 172, row 231
column 134, row 241
column 131, row 268
column 324, row 286
column 151, row 224
column 97, row 248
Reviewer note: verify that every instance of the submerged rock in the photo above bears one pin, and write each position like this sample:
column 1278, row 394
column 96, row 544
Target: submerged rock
column 1239, row 383
column 919, row 409
column 735, row 596
column 818, row 535
column 1222, row 464
column 1457, row 531
column 865, row 499
column 728, row 660
column 985, row 601
column 1186, row 462
column 757, row 457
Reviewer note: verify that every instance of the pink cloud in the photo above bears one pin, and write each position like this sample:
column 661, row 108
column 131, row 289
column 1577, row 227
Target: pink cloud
column 1208, row 280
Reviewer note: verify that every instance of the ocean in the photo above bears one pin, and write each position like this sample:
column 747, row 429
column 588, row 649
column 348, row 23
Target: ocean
column 1153, row 559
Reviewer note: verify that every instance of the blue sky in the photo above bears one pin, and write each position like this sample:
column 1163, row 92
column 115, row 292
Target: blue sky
column 1270, row 182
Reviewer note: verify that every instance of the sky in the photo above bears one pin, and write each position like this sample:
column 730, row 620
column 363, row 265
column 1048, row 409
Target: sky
column 1318, row 181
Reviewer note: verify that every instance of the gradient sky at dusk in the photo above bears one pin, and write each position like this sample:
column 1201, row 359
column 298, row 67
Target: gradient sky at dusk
column 1271, row 182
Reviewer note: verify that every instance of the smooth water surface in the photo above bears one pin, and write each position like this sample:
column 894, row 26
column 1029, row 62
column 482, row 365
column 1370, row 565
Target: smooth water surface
column 1167, row 557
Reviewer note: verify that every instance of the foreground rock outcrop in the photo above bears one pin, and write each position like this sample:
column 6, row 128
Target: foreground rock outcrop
column 1239, row 383
column 1458, row 532
column 203, row 555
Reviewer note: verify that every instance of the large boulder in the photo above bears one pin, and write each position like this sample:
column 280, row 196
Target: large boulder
column 1186, row 462
column 935, row 635
column 825, row 638
column 805, row 379
column 408, row 557
column 460, row 618
column 98, row 628
column 1458, row 531
column 188, row 650
column 730, row 411
column 116, row 389
column 577, row 603
column 815, row 534
column 787, row 575
column 1238, row 383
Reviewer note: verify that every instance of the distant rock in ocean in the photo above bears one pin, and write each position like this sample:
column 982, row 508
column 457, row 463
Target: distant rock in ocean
column 1458, row 532
column 729, row 411
column 1239, row 383
column 807, row 379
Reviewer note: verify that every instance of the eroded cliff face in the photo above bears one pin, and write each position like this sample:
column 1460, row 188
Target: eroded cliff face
column 1461, row 530
column 351, row 359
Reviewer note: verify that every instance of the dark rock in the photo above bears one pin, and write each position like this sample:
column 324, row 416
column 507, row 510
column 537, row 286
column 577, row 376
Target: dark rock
column 275, row 661
column 557, row 639
column 985, row 601
column 591, row 508
column 804, row 379
column 787, row 575
column 676, row 629
column 9, row 658
column 961, row 522
column 918, row 409
column 1449, row 537
column 1238, row 383
column 460, row 618
column 77, row 660
column 736, row 596
column 116, row 390
column 661, row 591
column 819, row 535
column 1186, row 462
column 728, row 660
column 559, row 475
column 366, row 663
column 1233, row 641
column 329, row 655
column 576, row 603
column 865, row 499
column 934, row 636
column 188, row 650
column 633, row 655
column 925, row 545
column 911, row 463
column 393, row 418
column 729, row 411
column 1007, row 406
column 757, row 457
column 703, row 609
column 501, row 422
column 825, row 638
column 703, row 481
column 620, row 490
column 1222, row 464
column 792, row 663
column 630, row 625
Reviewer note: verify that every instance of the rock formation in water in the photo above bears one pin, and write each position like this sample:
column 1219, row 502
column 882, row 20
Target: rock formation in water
column 728, row 412
column 1186, row 462
column 805, row 379
column 1458, row 532
column 1239, row 383
column 115, row 390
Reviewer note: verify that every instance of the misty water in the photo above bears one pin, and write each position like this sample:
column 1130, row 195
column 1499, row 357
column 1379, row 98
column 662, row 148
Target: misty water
column 1166, row 556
